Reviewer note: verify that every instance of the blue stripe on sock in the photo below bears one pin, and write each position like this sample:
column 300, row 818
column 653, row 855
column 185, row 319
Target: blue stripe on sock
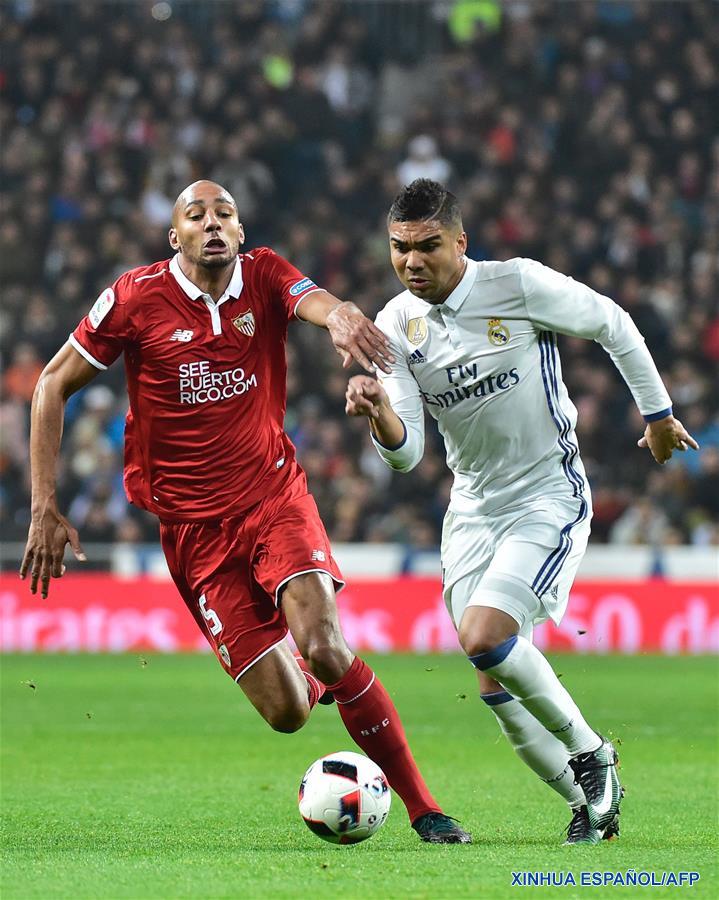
column 496, row 698
column 494, row 656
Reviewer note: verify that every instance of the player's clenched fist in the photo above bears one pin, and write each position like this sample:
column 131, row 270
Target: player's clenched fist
column 364, row 397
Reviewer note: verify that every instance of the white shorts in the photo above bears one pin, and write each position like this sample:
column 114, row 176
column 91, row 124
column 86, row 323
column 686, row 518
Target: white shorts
column 522, row 562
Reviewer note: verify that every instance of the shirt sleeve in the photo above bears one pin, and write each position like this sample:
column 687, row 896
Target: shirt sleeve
column 286, row 282
column 558, row 303
column 404, row 396
column 102, row 334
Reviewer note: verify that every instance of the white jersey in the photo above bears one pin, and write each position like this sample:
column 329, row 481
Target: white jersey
column 486, row 366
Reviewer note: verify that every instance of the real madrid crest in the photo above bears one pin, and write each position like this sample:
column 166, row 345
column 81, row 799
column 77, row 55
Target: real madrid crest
column 245, row 323
column 497, row 333
column 416, row 330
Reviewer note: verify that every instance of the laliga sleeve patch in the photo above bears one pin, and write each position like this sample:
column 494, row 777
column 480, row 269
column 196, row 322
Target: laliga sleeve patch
column 102, row 307
column 299, row 286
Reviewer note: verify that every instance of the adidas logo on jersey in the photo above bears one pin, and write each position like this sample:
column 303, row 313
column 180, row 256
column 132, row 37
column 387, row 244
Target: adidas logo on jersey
column 416, row 357
column 182, row 335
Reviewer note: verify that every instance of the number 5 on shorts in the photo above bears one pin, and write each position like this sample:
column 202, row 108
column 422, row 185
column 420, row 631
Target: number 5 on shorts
column 210, row 616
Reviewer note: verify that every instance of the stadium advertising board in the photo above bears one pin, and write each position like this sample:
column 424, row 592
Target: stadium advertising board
column 98, row 613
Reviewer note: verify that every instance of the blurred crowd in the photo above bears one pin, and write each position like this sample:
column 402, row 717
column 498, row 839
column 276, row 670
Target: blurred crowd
column 581, row 134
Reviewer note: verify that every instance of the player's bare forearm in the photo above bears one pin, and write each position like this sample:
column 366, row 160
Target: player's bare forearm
column 65, row 374
column 49, row 531
column 366, row 397
column 354, row 335
column 48, row 409
column 315, row 307
column 664, row 436
column 387, row 427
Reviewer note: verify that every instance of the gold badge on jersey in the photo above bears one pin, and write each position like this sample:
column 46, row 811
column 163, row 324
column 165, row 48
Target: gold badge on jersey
column 497, row 333
column 245, row 323
column 416, row 330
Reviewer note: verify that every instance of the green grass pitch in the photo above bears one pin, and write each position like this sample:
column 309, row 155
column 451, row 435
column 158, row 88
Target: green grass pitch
column 124, row 777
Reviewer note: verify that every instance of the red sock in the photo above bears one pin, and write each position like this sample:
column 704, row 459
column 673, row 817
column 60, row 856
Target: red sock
column 315, row 688
column 374, row 724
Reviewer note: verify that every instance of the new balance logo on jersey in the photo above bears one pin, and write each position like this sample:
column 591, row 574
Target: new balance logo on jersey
column 182, row 335
column 318, row 556
column 416, row 358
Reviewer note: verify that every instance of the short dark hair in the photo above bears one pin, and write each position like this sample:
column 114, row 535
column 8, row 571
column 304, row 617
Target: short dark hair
column 423, row 200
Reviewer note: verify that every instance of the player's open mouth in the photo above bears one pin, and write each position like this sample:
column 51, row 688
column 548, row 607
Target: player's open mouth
column 215, row 246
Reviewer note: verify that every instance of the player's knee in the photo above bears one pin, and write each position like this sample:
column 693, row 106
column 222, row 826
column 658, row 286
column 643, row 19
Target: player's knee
column 287, row 719
column 328, row 659
column 475, row 644
column 480, row 640
column 483, row 628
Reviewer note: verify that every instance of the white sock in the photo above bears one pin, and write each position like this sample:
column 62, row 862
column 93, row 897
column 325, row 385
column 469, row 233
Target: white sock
column 535, row 746
column 523, row 671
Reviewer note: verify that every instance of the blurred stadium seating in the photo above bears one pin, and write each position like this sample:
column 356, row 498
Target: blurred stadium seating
column 581, row 134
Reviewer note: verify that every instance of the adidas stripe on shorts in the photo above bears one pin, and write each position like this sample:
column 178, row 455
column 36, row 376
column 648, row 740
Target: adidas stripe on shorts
column 521, row 561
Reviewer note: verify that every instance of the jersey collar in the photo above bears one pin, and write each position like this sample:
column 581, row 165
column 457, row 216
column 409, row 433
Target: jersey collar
column 460, row 293
column 234, row 288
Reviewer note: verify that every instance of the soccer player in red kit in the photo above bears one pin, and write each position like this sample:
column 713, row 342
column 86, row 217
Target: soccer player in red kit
column 203, row 335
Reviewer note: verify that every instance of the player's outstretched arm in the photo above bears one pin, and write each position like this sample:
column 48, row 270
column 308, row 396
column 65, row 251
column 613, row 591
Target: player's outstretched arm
column 65, row 374
column 354, row 335
column 560, row 304
column 664, row 436
column 366, row 397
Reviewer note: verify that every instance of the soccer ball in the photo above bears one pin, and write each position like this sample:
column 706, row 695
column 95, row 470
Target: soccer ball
column 344, row 798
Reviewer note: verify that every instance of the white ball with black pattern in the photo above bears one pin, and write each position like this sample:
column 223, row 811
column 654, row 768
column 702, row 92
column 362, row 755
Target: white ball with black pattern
column 344, row 798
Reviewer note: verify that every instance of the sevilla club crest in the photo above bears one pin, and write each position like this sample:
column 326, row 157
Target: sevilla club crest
column 245, row 323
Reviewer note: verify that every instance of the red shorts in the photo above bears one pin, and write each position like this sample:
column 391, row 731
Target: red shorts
column 230, row 571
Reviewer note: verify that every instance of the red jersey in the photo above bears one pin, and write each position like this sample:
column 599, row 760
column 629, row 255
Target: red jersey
column 204, row 435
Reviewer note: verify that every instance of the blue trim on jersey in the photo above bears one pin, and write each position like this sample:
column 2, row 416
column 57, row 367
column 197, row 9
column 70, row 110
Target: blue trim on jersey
column 554, row 562
column 497, row 698
column 660, row 415
column 494, row 656
column 401, row 443
column 563, row 424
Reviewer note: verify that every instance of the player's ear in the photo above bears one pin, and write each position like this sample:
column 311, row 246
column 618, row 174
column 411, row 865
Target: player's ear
column 172, row 238
column 462, row 243
column 241, row 234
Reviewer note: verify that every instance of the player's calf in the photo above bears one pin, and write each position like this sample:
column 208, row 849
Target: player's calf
column 277, row 689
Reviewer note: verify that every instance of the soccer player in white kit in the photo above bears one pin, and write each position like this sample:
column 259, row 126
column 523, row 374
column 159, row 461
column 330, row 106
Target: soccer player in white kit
column 475, row 342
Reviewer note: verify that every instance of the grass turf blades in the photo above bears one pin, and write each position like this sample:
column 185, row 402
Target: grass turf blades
column 152, row 777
